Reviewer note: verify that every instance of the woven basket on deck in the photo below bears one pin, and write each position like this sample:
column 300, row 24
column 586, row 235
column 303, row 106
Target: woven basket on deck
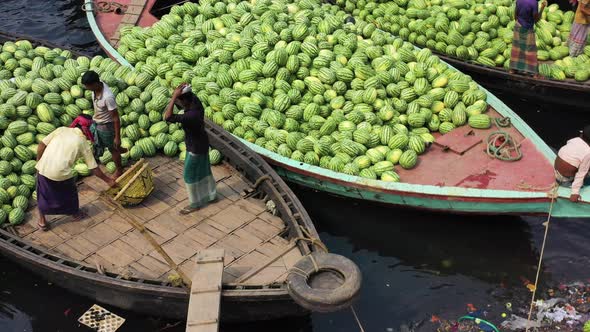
column 134, row 185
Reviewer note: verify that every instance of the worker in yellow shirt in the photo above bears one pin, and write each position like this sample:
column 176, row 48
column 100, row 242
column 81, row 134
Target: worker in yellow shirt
column 57, row 193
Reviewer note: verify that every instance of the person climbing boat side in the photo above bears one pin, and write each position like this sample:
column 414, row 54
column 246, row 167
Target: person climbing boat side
column 57, row 193
column 199, row 180
column 106, row 117
column 580, row 29
column 573, row 162
column 523, row 57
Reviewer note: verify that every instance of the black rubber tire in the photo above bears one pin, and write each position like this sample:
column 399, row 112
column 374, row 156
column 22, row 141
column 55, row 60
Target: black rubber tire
column 325, row 300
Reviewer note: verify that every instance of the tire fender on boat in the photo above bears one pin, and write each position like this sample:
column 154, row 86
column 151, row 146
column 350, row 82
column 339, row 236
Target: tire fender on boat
column 324, row 282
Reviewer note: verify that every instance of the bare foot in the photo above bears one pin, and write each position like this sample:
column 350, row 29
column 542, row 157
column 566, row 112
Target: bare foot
column 43, row 226
column 187, row 210
column 80, row 215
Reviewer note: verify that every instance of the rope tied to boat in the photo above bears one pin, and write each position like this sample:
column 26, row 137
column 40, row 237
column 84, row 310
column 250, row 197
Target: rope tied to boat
column 553, row 196
column 503, row 122
column 501, row 145
column 313, row 240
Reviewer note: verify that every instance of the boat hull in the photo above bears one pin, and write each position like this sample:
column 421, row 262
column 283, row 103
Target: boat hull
column 444, row 203
column 144, row 298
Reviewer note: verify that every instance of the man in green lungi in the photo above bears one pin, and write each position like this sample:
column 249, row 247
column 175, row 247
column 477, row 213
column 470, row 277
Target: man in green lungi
column 106, row 117
column 200, row 183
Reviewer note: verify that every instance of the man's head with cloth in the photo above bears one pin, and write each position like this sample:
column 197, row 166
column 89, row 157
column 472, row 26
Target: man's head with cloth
column 83, row 122
column 186, row 98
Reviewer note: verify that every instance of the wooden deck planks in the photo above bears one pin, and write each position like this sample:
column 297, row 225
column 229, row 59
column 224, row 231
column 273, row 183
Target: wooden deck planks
column 240, row 227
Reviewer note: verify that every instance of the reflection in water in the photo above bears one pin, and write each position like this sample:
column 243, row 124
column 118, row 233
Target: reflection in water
column 486, row 247
column 12, row 319
column 59, row 21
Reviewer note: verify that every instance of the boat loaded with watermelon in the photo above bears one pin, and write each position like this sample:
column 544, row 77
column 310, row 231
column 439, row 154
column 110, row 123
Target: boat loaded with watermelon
column 256, row 219
column 476, row 37
column 338, row 105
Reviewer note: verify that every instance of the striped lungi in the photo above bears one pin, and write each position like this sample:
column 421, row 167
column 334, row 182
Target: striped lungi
column 200, row 183
column 57, row 197
column 577, row 38
column 524, row 50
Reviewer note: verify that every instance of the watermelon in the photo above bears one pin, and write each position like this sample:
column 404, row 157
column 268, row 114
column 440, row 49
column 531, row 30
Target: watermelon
column 408, row 159
column 479, row 121
column 16, row 216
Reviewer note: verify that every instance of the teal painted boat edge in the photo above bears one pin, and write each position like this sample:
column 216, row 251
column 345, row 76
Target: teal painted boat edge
column 87, row 7
column 562, row 209
column 420, row 201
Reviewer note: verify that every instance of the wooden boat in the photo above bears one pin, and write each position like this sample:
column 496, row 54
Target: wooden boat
column 104, row 258
column 453, row 177
column 568, row 93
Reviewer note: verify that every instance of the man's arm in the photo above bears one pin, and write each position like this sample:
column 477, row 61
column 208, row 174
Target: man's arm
column 112, row 107
column 169, row 109
column 168, row 114
column 579, row 179
column 117, row 126
column 539, row 13
column 40, row 149
column 585, row 8
column 96, row 171
column 86, row 153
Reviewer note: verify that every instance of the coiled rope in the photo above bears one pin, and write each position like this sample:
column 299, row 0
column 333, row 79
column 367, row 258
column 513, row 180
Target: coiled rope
column 553, row 195
column 501, row 145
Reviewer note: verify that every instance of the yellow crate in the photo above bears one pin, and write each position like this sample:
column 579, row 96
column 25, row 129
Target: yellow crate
column 134, row 185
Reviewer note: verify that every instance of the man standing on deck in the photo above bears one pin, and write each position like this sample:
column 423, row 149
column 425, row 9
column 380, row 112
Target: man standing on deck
column 573, row 162
column 106, row 117
column 523, row 57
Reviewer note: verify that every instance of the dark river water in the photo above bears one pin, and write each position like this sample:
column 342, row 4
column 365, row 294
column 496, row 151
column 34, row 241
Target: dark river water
column 414, row 264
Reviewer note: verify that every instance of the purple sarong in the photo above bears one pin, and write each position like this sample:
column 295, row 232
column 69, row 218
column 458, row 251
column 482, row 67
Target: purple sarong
column 57, row 197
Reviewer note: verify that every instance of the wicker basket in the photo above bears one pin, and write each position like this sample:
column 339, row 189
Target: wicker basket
column 134, row 185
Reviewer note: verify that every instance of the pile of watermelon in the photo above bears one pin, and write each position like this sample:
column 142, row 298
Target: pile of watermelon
column 40, row 91
column 479, row 31
column 296, row 80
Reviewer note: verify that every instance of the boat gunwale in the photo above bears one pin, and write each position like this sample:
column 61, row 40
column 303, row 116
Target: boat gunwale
column 400, row 187
column 59, row 263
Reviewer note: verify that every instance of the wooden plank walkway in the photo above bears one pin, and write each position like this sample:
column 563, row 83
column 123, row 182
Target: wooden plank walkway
column 248, row 234
column 205, row 298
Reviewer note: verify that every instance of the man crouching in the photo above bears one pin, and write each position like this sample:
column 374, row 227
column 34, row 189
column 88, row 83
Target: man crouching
column 57, row 193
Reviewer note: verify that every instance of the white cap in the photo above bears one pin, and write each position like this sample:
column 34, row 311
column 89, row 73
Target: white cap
column 186, row 89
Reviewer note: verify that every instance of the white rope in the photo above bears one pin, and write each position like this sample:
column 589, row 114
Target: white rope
column 553, row 196
column 357, row 319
